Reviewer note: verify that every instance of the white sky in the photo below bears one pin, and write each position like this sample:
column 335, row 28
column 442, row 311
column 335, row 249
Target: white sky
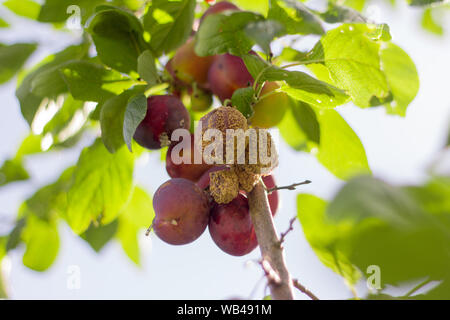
column 399, row 150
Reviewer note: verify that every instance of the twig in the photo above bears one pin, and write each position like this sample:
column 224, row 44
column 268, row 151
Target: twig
column 291, row 227
column 289, row 187
column 273, row 261
column 303, row 289
column 417, row 287
column 149, row 230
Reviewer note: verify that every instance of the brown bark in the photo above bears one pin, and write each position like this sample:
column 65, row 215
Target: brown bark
column 273, row 261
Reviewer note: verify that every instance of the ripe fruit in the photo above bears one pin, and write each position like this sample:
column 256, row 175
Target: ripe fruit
column 270, row 110
column 219, row 7
column 187, row 67
column 164, row 115
column 269, row 182
column 228, row 73
column 181, row 211
column 231, row 227
column 191, row 170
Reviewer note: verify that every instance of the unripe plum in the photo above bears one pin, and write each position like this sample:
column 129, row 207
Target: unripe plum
column 191, row 170
column 187, row 67
column 165, row 114
column 219, row 7
column 231, row 227
column 181, row 211
column 270, row 110
column 228, row 73
column 201, row 100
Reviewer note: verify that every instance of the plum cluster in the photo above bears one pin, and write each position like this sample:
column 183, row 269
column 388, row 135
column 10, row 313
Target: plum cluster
column 200, row 194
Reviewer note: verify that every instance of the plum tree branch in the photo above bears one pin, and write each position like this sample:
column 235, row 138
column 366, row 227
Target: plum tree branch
column 273, row 260
column 303, row 289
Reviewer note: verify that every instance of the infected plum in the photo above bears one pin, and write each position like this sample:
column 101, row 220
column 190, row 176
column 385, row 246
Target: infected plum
column 270, row 110
column 165, row 114
column 187, row 67
column 228, row 73
column 231, row 227
column 205, row 179
column 190, row 170
column 181, row 211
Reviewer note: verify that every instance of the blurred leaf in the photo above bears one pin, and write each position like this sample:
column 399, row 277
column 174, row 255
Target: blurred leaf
column 295, row 17
column 30, row 101
column 15, row 236
column 402, row 77
column 133, row 5
column 423, row 2
column 429, row 23
column 323, row 236
column 222, row 33
column 351, row 54
column 136, row 215
column 355, row 4
column 260, row 6
column 25, row 8
column 135, row 112
column 300, row 85
column 42, row 244
column 12, row 58
column 112, row 118
column 336, row 13
column 263, row 32
column 98, row 236
column 340, row 149
column 169, row 24
column 101, row 187
column 118, row 38
column 243, row 99
column 93, row 82
column 147, row 68
column 11, row 171
column 4, row 24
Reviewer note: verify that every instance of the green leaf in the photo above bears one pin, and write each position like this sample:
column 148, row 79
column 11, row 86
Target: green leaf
column 112, row 118
column 169, row 24
column 12, row 171
column 323, row 236
column 24, row 8
column 429, row 22
column 98, row 236
column 336, row 13
column 15, row 236
column 423, row 2
column 56, row 10
column 300, row 85
column 292, row 133
column 12, row 58
column 402, row 77
column 101, row 187
column 136, row 215
column 340, row 149
column 243, row 100
column 307, row 120
column 351, row 54
column 4, row 24
column 42, row 244
column 295, row 17
column 263, row 32
column 134, row 114
column 147, row 68
column 118, row 37
column 93, row 82
column 222, row 33
column 30, row 101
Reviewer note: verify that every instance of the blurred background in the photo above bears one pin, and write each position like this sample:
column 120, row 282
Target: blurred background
column 399, row 150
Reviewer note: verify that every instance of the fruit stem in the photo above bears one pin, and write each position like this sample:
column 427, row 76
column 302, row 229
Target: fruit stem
column 279, row 281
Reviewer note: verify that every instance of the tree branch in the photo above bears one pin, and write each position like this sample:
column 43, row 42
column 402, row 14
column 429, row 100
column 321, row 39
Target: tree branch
column 300, row 287
column 273, row 261
column 289, row 187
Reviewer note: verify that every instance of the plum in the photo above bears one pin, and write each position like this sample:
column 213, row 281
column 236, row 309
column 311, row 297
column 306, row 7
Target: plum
column 191, row 170
column 231, row 227
column 270, row 110
column 219, row 7
column 228, row 73
column 181, row 211
column 188, row 68
column 204, row 181
column 165, row 114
